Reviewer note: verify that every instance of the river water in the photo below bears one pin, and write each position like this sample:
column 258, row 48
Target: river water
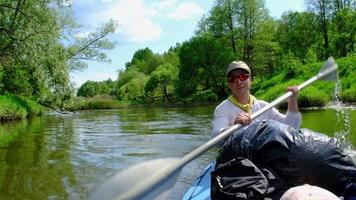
column 67, row 156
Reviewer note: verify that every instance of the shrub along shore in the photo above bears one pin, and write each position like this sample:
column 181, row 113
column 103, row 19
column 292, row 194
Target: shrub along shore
column 15, row 108
column 267, row 88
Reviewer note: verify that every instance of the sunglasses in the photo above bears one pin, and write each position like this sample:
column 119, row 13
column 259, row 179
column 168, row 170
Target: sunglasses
column 241, row 77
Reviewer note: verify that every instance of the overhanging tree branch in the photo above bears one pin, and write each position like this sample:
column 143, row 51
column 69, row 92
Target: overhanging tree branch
column 87, row 45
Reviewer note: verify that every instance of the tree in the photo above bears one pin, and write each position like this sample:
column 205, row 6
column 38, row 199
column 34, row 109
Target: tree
column 131, row 85
column 236, row 23
column 144, row 60
column 322, row 10
column 36, row 48
column 297, row 33
column 267, row 48
column 88, row 89
column 251, row 15
column 109, row 87
column 30, row 51
column 162, row 79
column 93, row 88
column 223, row 21
column 203, row 62
column 343, row 28
column 144, row 64
column 91, row 47
column 171, row 57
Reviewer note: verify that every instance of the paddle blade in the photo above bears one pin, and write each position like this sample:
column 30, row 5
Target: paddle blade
column 329, row 71
column 136, row 182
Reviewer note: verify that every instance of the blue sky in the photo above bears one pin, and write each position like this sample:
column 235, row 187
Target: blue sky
column 157, row 24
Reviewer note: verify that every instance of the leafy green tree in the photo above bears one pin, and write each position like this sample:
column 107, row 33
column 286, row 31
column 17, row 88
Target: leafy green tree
column 223, row 21
column 36, row 48
column 93, row 88
column 133, row 87
column 143, row 64
column 17, row 80
column 297, row 33
column 323, row 12
column 88, row 89
column 91, row 47
column 28, row 30
column 267, row 48
column 203, row 25
column 236, row 23
column 335, row 21
column 109, row 87
column 203, row 62
column 162, row 79
column 290, row 64
column 141, row 55
column 144, row 60
column 171, row 57
column 126, row 76
column 343, row 30
column 251, row 15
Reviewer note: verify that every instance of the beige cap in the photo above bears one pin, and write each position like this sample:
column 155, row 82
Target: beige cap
column 237, row 65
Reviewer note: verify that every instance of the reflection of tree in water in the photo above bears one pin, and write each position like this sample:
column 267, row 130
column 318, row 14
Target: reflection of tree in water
column 164, row 120
column 35, row 164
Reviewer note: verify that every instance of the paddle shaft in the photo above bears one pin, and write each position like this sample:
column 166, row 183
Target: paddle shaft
column 172, row 170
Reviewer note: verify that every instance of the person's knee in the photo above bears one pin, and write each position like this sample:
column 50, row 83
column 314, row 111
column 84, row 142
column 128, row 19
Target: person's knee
column 308, row 192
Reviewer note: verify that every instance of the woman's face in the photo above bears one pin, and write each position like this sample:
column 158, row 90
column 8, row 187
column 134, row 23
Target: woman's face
column 239, row 82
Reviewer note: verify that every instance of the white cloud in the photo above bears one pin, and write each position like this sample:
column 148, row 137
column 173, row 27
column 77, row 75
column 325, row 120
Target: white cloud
column 186, row 11
column 138, row 20
column 183, row 11
column 135, row 20
column 164, row 5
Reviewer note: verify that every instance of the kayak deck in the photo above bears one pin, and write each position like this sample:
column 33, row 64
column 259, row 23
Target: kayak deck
column 200, row 190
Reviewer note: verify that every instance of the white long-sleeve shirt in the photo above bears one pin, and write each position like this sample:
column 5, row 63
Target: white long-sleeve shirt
column 226, row 112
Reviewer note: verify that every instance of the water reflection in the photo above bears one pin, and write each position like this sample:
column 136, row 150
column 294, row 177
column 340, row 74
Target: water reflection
column 68, row 156
column 327, row 121
column 35, row 164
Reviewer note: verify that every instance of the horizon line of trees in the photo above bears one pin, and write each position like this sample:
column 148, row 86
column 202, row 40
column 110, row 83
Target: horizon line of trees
column 239, row 29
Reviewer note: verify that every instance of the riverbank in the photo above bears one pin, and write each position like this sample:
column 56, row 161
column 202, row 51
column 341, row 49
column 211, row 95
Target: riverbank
column 16, row 108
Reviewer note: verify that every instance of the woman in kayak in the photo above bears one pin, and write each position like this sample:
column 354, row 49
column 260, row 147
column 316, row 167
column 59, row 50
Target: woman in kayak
column 238, row 107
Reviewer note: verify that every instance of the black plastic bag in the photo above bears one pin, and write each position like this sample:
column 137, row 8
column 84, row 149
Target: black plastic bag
column 241, row 179
column 286, row 157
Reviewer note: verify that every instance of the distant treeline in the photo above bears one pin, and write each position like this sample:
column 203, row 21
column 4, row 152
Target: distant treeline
column 280, row 52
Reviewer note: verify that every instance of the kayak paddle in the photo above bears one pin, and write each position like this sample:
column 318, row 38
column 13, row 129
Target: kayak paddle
column 153, row 179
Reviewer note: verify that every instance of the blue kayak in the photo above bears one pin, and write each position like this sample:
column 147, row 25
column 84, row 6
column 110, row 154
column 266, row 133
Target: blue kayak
column 200, row 190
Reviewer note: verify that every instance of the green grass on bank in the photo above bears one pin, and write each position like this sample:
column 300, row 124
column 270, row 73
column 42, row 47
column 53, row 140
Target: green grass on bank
column 13, row 107
column 319, row 93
